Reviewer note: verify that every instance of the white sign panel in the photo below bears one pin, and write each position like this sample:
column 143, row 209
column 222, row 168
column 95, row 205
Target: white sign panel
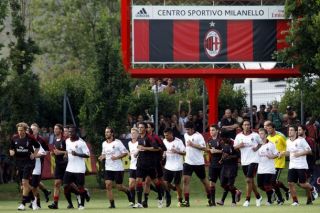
column 207, row 12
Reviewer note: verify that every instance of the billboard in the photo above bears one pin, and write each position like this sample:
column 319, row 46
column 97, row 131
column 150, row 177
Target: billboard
column 206, row 34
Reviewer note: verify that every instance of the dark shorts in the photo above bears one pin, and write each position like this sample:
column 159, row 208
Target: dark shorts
column 143, row 173
column 198, row 169
column 35, row 180
column 77, row 178
column 59, row 171
column 229, row 171
column 159, row 170
column 174, row 176
column 116, row 176
column 264, row 180
column 214, row 174
column 250, row 170
column 276, row 176
column 297, row 175
column 133, row 173
column 25, row 170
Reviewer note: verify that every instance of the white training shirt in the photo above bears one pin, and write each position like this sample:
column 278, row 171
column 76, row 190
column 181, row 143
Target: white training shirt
column 250, row 141
column 266, row 165
column 174, row 161
column 76, row 164
column 37, row 166
column 194, row 156
column 298, row 145
column 115, row 148
column 133, row 148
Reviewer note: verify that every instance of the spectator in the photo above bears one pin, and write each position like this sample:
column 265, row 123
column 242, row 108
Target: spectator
column 229, row 124
column 170, row 89
column 275, row 116
column 236, row 116
column 174, row 125
column 183, row 117
column 312, row 129
column 161, row 87
column 292, row 115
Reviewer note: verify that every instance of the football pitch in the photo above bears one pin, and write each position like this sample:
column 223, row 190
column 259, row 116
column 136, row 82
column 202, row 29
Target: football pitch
column 10, row 199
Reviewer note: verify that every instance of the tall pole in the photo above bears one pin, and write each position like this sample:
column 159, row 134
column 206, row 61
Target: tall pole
column 156, row 109
column 64, row 108
column 301, row 106
column 204, row 106
column 251, row 112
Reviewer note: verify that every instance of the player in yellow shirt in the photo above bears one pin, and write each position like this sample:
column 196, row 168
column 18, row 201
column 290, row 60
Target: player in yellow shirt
column 280, row 141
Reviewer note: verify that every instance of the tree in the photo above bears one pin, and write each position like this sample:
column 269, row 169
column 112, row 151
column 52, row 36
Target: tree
column 83, row 37
column 304, row 36
column 22, row 86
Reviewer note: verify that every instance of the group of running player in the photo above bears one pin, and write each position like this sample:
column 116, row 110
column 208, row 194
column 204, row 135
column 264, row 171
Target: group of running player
column 164, row 164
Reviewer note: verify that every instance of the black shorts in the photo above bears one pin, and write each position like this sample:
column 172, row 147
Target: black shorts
column 35, row 180
column 59, row 171
column 25, row 170
column 276, row 176
column 77, row 178
column 214, row 174
column 116, row 176
column 250, row 170
column 143, row 173
column 159, row 170
column 133, row 173
column 297, row 175
column 264, row 180
column 229, row 171
column 174, row 176
column 198, row 169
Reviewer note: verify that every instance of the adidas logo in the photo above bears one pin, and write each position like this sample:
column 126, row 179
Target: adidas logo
column 142, row 13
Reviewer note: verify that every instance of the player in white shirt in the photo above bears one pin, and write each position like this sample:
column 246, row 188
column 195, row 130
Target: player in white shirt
column 194, row 162
column 77, row 150
column 174, row 164
column 133, row 149
column 113, row 151
column 297, row 149
column 36, row 178
column 266, row 170
column 248, row 143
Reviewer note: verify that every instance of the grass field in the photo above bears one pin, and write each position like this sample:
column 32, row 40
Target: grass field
column 10, row 198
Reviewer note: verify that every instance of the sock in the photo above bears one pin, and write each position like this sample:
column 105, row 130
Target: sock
column 159, row 189
column 139, row 192
column 25, row 199
column 213, row 194
column 224, row 195
column 186, row 197
column 67, row 194
column 269, row 195
column 112, row 203
column 56, row 199
column 295, row 199
column 128, row 195
column 146, row 195
column 133, row 194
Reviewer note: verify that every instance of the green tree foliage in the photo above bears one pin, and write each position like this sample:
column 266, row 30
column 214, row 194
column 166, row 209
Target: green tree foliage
column 311, row 92
column 22, row 85
column 304, row 35
column 83, row 37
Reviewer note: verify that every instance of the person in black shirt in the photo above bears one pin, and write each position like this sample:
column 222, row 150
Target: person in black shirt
column 24, row 147
column 229, row 170
column 229, row 124
column 215, row 150
column 146, row 162
column 61, row 160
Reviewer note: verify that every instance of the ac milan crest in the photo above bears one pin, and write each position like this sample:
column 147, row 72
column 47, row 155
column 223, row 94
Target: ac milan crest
column 212, row 43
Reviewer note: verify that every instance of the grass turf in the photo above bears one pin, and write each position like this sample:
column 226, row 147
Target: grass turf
column 10, row 198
